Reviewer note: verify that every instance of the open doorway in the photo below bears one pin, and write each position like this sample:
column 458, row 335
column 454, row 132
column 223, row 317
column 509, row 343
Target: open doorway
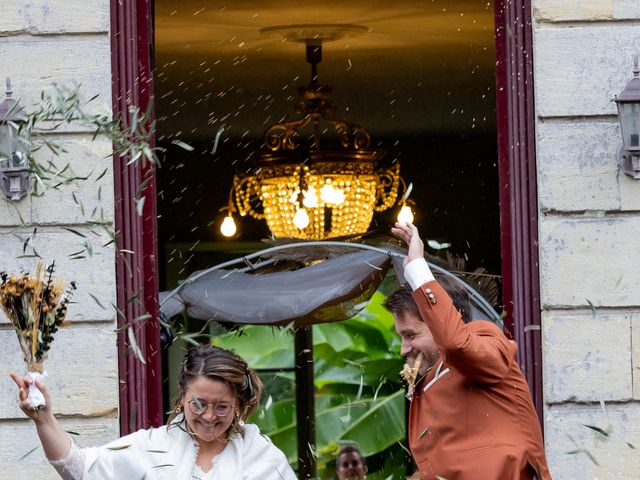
column 422, row 81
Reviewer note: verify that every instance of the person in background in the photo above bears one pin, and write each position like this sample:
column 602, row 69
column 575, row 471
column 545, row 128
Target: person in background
column 205, row 438
column 350, row 464
column 471, row 415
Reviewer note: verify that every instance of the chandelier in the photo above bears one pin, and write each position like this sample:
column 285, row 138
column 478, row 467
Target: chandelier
column 315, row 192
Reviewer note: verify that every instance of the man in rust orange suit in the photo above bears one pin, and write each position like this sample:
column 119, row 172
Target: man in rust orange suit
column 471, row 416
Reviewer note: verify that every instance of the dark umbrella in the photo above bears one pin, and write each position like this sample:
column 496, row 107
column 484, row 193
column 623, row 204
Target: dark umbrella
column 333, row 290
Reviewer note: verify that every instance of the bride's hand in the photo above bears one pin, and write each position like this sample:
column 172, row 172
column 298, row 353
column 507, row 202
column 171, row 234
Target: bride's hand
column 37, row 415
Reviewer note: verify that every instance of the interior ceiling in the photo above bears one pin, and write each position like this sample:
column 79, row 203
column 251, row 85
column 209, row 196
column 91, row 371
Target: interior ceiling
column 424, row 66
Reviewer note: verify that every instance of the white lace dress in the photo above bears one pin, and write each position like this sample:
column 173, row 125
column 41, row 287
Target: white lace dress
column 170, row 454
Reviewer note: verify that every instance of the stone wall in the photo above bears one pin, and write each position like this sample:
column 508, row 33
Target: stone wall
column 589, row 237
column 66, row 41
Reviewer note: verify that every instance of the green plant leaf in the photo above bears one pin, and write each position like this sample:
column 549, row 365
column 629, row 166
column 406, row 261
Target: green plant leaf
column 183, row 145
column 140, row 205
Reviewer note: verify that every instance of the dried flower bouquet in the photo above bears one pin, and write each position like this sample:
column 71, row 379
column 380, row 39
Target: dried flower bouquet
column 37, row 307
column 410, row 372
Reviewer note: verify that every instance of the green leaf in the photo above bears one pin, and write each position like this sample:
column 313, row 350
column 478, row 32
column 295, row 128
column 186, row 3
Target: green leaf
column 104, row 172
column 140, row 205
column 199, row 405
column 183, row 145
column 143, row 317
column 95, row 299
column 261, row 347
column 601, row 431
column 359, row 357
column 133, row 343
column 76, row 232
column 119, row 447
column 365, row 416
column 24, row 245
column 29, row 453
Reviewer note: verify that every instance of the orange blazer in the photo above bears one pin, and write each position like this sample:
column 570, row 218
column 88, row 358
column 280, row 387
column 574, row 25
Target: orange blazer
column 472, row 417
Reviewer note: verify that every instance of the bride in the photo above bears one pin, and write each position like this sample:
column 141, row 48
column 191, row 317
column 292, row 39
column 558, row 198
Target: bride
column 205, row 438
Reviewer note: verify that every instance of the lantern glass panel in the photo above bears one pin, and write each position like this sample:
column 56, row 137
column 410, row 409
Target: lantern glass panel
column 7, row 141
column 629, row 113
column 23, row 145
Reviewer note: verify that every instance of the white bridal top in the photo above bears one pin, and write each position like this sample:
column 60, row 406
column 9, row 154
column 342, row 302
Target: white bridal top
column 170, row 454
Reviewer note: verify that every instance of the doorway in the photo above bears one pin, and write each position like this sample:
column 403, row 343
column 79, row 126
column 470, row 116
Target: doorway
column 422, row 81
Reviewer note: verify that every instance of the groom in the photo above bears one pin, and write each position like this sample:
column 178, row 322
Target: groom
column 471, row 416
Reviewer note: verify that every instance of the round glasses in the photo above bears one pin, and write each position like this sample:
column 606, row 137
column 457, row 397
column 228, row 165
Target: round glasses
column 200, row 408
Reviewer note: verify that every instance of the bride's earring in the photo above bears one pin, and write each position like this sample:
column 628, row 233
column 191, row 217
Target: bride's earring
column 240, row 421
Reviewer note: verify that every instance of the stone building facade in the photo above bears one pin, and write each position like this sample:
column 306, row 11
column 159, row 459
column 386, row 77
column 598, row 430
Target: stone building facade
column 589, row 233
column 42, row 42
column 589, row 222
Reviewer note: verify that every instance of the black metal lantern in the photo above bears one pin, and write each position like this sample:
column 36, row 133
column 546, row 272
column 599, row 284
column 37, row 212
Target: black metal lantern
column 629, row 115
column 15, row 176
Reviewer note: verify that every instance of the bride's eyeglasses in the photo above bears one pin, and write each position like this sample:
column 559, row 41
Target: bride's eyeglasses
column 200, row 408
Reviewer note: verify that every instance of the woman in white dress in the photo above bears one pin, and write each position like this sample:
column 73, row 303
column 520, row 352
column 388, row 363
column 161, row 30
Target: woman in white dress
column 205, row 438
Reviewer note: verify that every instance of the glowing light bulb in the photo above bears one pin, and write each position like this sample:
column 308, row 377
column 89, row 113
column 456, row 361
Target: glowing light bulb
column 339, row 196
column 331, row 195
column 228, row 227
column 405, row 215
column 301, row 218
column 310, row 198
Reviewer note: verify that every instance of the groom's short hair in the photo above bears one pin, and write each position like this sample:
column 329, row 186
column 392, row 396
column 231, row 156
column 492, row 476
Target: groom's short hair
column 401, row 300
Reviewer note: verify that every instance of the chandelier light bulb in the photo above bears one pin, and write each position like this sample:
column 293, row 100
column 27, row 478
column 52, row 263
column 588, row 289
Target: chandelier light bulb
column 301, row 218
column 405, row 215
column 339, row 196
column 331, row 195
column 228, row 227
column 310, row 198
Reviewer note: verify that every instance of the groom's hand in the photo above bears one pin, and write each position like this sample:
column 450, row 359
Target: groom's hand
column 409, row 234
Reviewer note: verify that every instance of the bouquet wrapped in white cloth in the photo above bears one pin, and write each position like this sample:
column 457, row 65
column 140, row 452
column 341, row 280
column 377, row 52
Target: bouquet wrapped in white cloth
column 37, row 308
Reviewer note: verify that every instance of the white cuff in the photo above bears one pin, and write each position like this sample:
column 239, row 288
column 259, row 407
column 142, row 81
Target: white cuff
column 417, row 273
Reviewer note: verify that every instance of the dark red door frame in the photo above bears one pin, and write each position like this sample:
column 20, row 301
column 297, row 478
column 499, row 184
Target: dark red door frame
column 136, row 273
column 518, row 191
column 137, row 278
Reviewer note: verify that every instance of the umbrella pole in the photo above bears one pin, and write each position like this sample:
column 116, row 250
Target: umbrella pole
column 305, row 403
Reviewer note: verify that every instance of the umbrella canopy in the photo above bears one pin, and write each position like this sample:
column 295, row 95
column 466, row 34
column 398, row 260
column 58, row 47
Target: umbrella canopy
column 331, row 290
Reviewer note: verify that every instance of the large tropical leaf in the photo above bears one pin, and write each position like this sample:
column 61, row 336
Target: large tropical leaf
column 261, row 347
column 358, row 399
column 373, row 424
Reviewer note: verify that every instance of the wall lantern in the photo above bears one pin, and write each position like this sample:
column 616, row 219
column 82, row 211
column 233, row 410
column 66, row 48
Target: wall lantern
column 316, row 192
column 629, row 115
column 15, row 175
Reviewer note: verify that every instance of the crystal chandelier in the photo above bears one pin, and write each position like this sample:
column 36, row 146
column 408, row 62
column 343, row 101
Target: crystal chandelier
column 315, row 192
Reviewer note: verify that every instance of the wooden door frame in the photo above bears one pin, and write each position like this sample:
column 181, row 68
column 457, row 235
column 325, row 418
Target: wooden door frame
column 136, row 235
column 137, row 273
column 518, row 186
